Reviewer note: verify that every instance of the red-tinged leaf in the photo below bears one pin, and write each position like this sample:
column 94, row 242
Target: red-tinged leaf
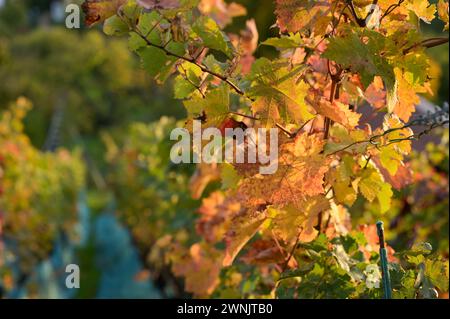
column 220, row 11
column 370, row 232
column 376, row 94
column 403, row 177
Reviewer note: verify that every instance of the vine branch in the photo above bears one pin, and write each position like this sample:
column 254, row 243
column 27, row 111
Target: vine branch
column 391, row 9
column 372, row 140
column 191, row 60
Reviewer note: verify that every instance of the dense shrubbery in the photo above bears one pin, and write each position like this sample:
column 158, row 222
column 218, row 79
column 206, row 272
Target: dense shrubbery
column 38, row 197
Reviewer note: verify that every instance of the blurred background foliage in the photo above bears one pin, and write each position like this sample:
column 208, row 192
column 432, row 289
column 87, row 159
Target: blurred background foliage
column 91, row 97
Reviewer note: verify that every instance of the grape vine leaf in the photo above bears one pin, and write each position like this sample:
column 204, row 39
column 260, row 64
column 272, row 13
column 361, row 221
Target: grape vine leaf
column 338, row 112
column 279, row 94
column 423, row 9
column 215, row 105
column 299, row 15
column 243, row 227
column 301, row 169
column 200, row 267
column 290, row 222
column 364, row 58
column 443, row 13
column 158, row 64
column 213, row 38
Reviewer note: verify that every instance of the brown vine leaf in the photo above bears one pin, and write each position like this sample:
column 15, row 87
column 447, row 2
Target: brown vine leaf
column 248, row 41
column 97, row 11
column 263, row 252
column 246, row 44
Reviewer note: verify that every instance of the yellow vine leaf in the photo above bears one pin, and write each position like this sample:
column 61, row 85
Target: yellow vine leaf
column 344, row 181
column 279, row 95
column 407, row 98
column 341, row 138
column 372, row 186
column 394, row 146
column 443, row 13
column 423, row 9
column 292, row 222
column 371, row 183
column 390, row 159
column 399, row 136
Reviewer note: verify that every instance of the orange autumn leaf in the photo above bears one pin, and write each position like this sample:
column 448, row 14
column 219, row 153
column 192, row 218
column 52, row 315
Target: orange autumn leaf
column 300, row 174
column 407, row 98
column 338, row 112
column 200, row 267
column 216, row 211
column 220, row 11
column 375, row 93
